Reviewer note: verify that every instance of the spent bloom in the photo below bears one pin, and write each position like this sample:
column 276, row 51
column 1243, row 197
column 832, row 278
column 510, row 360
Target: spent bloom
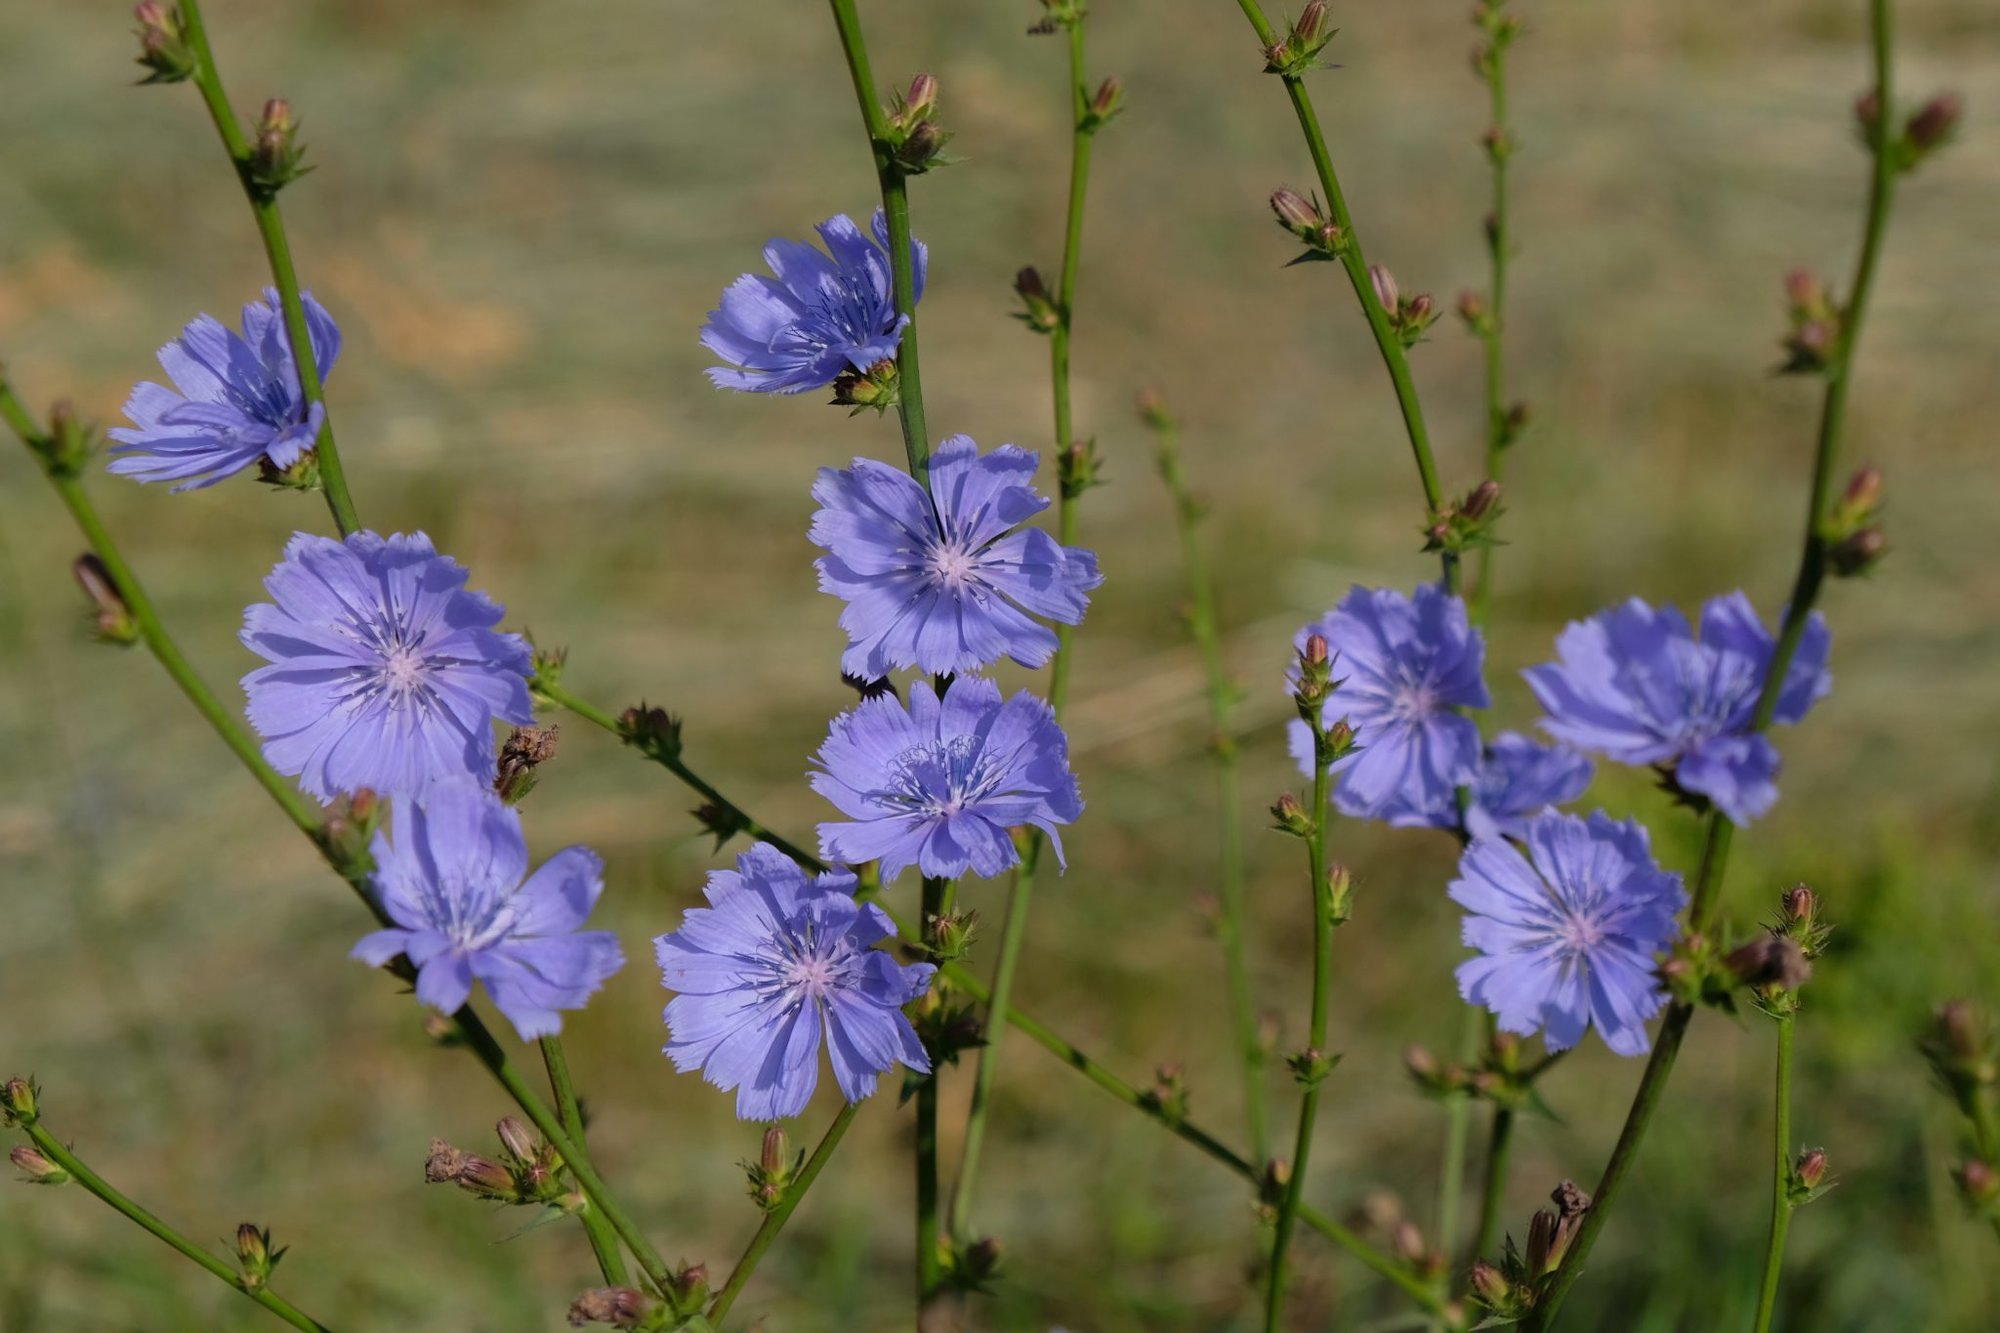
column 454, row 879
column 939, row 784
column 1567, row 933
column 946, row 581
column 775, row 960
column 1405, row 663
column 239, row 401
column 1635, row 685
column 818, row 317
column 384, row 671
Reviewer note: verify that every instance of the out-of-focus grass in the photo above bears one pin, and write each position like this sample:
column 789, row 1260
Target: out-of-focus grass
column 520, row 215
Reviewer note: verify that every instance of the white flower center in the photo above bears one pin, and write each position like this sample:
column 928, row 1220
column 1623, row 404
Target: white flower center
column 403, row 669
column 812, row 975
column 952, row 566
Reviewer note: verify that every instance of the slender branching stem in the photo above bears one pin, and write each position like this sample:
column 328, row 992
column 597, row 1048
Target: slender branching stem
column 1498, row 1142
column 603, row 1239
column 1781, row 1178
column 896, row 209
column 1322, row 935
column 278, row 250
column 930, row 1263
column 1493, row 334
column 56, row 1151
column 1805, row 592
column 774, row 1220
column 1230, row 921
column 1353, row 260
column 1012, row 933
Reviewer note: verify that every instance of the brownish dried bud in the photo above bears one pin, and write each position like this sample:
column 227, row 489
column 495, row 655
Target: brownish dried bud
column 1480, row 503
column 1934, row 123
column 443, row 1164
column 524, row 750
column 621, row 1307
column 1774, row 961
column 1858, row 553
column 114, row 618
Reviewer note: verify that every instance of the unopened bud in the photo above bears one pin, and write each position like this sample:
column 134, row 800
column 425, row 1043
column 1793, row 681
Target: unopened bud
column 275, row 153
column 1314, row 655
column 775, row 1154
column 1310, row 27
column 654, row 731
column 980, row 1260
column 1482, row 500
column 113, row 619
column 1978, row 1183
column 620, row 1307
column 1291, row 816
column 1859, row 553
column 1774, row 961
column 689, row 1285
column 1958, row 1030
column 1409, row 1242
column 18, row 1101
column 1934, row 123
column 1105, row 102
column 1295, row 212
column 1800, row 904
column 1863, row 493
column 163, row 47
column 922, row 98
column 1339, row 894
column 1868, row 113
column 488, row 1179
column 1384, row 283
column 1472, row 309
column 1041, row 314
column 1804, row 290
column 255, row 1257
column 1422, row 1064
column 1152, row 409
column 1421, row 308
column 517, row 1139
column 1491, row 1287
column 1810, row 1169
column 35, row 1168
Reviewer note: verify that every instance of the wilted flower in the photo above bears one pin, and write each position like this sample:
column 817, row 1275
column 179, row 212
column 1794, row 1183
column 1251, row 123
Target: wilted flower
column 1567, row 933
column 945, row 581
column 818, row 317
column 454, row 879
column 773, row 961
column 385, row 672
column 938, row 785
column 239, row 400
column 1635, row 685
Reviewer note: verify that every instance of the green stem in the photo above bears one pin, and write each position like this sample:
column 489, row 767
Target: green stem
column 1499, row 242
column 56, row 1152
column 1498, row 1143
column 1322, row 902
column 1011, row 936
column 1781, row 1178
column 1221, row 695
column 1805, row 591
column 278, row 250
column 896, row 208
column 774, row 1221
column 1355, row 262
column 1474, row 1025
column 603, row 1239
column 930, row 1267
column 1073, row 1056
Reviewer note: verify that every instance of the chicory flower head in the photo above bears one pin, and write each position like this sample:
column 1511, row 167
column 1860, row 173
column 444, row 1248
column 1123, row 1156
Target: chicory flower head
column 384, row 671
column 1404, row 663
column 820, row 316
column 1568, row 932
column 775, row 960
column 1635, row 685
column 946, row 580
column 454, row 879
column 239, row 401
column 939, row 784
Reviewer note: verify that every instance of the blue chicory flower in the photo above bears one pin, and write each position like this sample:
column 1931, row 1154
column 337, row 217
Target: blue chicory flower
column 384, row 671
column 454, row 879
column 1567, row 933
column 239, row 401
column 1405, row 663
column 945, row 581
column 1519, row 778
column 773, row 961
column 818, row 318
column 939, row 784
column 1635, row 685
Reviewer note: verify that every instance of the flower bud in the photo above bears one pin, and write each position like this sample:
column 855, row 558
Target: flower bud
column 19, row 1102
column 1152, row 409
column 1481, row 501
column 517, row 1140
column 255, row 1257
column 1933, row 125
column 655, row 731
column 163, row 47
column 1804, row 291
column 879, row 387
column 1978, row 1183
column 620, row 1307
column 1408, row 1242
column 1422, row 1064
column 921, row 100
column 1863, row 493
column 1810, row 1168
column 35, row 1168
column 1384, row 283
column 488, row 1179
column 1472, row 309
column 1040, row 311
column 1105, row 103
column 1339, row 894
column 920, row 148
column 1858, row 553
column 443, row 1164
column 1310, row 26
column 1867, row 114
column 72, row 439
column 275, row 153
column 688, row 1287
column 1490, row 1286
column 524, row 750
column 1295, row 212
column 978, row 1261
column 113, row 619
column 1770, row 961
column 1291, row 817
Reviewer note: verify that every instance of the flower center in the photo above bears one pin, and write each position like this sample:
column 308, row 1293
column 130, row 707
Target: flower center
column 404, row 669
column 1412, row 701
column 951, row 566
column 1580, row 934
column 942, row 777
column 812, row 975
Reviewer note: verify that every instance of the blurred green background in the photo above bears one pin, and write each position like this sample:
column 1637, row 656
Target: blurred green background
column 520, row 214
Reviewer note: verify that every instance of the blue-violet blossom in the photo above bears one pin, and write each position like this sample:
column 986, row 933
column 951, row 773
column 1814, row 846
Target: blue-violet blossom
column 454, row 879
column 1519, row 778
column 770, row 963
column 940, row 784
column 1405, row 663
column 385, row 672
column 239, row 400
column 818, row 318
column 1635, row 685
column 1567, row 933
column 945, row 581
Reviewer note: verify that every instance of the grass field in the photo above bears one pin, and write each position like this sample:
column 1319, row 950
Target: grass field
column 520, row 214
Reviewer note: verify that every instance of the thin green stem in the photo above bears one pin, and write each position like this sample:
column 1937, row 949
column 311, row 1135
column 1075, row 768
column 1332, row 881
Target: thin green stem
column 1499, row 244
column 1322, row 934
column 1805, row 592
column 1781, row 1178
column 1012, row 934
column 1230, row 928
column 53, row 1149
column 896, row 208
column 1474, row 1025
column 603, row 1239
column 930, row 1265
column 774, row 1221
column 1498, row 1142
column 1394, row 358
column 278, row 250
